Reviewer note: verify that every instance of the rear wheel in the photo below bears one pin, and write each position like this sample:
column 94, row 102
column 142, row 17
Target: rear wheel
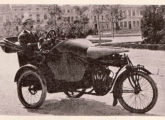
column 75, row 94
column 138, row 92
column 31, row 89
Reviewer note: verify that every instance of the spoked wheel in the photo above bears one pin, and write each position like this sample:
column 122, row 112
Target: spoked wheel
column 138, row 93
column 31, row 89
column 75, row 94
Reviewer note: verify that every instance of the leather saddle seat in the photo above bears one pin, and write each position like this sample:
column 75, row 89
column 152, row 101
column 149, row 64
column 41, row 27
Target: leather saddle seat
column 100, row 51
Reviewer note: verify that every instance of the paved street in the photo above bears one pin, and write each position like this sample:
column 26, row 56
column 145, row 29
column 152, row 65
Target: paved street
column 58, row 104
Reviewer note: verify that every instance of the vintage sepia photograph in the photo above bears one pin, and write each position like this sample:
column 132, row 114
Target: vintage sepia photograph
column 82, row 60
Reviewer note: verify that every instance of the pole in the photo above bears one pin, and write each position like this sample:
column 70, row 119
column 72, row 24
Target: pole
column 113, row 29
column 98, row 27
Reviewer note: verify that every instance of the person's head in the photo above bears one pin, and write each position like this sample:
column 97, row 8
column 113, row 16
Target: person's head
column 28, row 24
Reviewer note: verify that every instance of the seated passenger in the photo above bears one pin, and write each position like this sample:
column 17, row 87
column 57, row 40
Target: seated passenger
column 27, row 39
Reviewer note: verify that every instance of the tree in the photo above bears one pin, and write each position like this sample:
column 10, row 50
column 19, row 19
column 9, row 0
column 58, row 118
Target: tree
column 152, row 24
column 80, row 10
column 83, row 18
column 115, row 14
column 98, row 10
column 55, row 14
column 7, row 27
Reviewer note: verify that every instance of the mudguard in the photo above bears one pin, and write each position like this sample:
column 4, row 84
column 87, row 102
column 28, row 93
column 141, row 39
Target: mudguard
column 27, row 67
column 128, row 70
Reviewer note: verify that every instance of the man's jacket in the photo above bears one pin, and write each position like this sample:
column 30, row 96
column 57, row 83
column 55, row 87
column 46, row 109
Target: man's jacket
column 24, row 38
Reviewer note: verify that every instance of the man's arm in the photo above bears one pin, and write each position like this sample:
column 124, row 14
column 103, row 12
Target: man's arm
column 23, row 41
column 36, row 37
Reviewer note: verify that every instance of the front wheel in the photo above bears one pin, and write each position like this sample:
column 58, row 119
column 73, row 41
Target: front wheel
column 31, row 89
column 138, row 92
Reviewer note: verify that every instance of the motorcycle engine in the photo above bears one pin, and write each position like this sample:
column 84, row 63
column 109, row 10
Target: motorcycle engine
column 102, row 81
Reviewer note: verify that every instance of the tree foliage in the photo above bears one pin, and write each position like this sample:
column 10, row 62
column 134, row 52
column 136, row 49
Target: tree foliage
column 64, row 27
column 152, row 24
column 7, row 28
column 98, row 10
column 115, row 14
column 55, row 14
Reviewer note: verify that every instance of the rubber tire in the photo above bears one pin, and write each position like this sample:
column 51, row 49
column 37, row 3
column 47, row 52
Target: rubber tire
column 76, row 96
column 147, row 108
column 19, row 91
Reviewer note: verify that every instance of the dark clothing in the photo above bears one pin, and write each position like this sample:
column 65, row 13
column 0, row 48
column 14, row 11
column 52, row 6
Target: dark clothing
column 24, row 38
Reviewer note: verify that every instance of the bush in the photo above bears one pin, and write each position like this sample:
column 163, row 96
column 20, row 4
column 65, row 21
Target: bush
column 152, row 25
column 162, row 41
column 161, row 47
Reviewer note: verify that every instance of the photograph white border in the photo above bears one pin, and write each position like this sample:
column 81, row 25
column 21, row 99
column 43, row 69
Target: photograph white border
column 79, row 2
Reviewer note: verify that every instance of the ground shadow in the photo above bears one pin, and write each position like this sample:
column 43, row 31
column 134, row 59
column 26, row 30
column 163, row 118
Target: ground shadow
column 79, row 107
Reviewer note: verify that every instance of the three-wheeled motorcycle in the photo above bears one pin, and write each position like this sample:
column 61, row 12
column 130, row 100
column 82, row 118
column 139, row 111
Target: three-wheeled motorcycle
column 77, row 67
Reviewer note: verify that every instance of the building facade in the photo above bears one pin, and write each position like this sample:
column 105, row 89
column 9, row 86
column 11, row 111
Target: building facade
column 40, row 14
column 132, row 18
column 5, row 18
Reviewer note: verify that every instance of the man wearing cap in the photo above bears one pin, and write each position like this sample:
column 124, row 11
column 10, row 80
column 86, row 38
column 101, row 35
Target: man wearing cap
column 27, row 39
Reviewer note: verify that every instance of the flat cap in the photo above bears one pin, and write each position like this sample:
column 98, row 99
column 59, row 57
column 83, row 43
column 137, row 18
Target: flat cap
column 27, row 21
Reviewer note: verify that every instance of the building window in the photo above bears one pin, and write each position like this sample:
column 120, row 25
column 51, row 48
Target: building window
column 38, row 15
column 121, row 24
column 69, row 19
column 95, row 18
column 68, row 11
column 125, row 24
column 107, row 26
column 45, row 17
column 102, row 17
column 38, row 20
column 138, row 24
column 141, row 12
column 134, row 23
column 72, row 19
column 16, row 28
column 22, row 16
column 29, row 8
column 129, row 12
column 124, row 13
column 37, row 8
column 133, row 13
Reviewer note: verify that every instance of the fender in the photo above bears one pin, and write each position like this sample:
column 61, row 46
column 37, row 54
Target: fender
column 127, row 71
column 139, row 68
column 27, row 67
